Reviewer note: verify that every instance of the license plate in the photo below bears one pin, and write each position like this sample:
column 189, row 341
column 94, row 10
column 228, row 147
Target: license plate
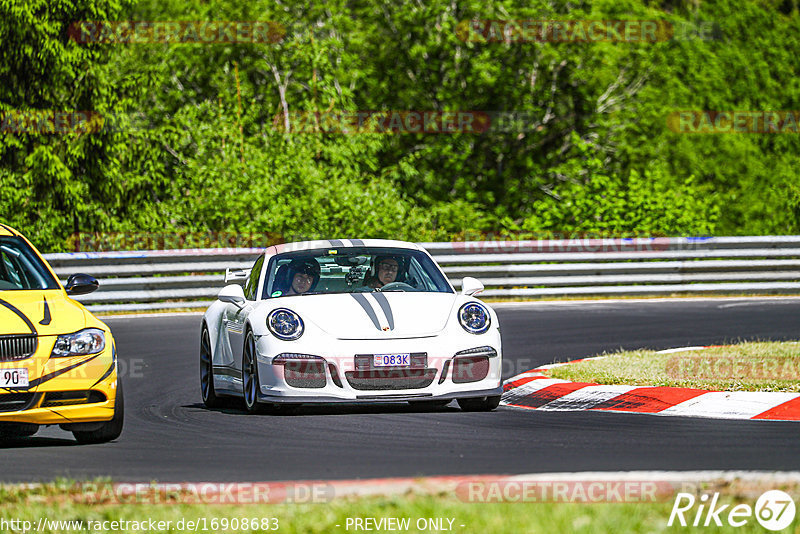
column 392, row 360
column 13, row 378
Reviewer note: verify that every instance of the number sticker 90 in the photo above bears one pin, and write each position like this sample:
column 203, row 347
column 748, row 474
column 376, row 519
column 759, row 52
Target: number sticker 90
column 13, row 378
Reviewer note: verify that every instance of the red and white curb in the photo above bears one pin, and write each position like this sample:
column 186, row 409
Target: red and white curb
column 535, row 390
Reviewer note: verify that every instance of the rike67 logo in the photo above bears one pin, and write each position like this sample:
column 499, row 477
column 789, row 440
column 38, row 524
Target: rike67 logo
column 774, row 510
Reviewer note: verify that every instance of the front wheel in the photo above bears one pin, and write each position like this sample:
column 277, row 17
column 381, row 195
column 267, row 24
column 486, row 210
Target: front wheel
column 480, row 404
column 110, row 429
column 207, row 391
column 250, row 383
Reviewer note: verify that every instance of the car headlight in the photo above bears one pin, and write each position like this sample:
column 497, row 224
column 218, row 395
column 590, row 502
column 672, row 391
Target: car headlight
column 89, row 341
column 285, row 324
column 474, row 318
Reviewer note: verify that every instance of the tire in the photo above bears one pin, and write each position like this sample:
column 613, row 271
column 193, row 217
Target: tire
column 109, row 430
column 207, row 391
column 480, row 404
column 18, row 430
column 250, row 383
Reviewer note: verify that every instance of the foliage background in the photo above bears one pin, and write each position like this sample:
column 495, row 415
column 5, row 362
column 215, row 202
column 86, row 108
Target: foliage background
column 194, row 148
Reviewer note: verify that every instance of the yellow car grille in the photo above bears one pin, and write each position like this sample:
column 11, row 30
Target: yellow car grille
column 17, row 347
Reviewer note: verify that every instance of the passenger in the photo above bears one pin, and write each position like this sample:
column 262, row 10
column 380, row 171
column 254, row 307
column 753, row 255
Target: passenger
column 386, row 271
column 303, row 276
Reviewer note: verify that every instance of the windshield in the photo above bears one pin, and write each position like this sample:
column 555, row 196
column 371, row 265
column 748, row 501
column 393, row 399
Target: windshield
column 21, row 268
column 352, row 270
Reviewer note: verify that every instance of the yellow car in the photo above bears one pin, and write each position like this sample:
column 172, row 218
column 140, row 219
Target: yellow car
column 58, row 362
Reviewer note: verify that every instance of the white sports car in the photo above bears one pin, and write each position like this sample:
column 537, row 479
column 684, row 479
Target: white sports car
column 349, row 321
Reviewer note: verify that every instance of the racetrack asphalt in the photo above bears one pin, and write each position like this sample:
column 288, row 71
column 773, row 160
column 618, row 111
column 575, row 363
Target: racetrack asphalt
column 170, row 436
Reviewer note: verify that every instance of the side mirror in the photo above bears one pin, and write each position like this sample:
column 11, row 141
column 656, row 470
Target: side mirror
column 471, row 286
column 81, row 284
column 232, row 294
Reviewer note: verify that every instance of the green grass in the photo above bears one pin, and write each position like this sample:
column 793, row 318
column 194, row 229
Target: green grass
column 57, row 502
column 752, row 366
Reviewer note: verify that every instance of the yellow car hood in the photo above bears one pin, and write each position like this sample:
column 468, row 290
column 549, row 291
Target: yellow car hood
column 44, row 312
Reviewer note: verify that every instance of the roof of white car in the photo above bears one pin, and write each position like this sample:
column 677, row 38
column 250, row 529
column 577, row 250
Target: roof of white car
column 341, row 243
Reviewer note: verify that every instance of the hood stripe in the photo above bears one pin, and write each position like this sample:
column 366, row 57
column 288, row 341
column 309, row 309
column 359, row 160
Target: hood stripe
column 336, row 243
column 362, row 300
column 45, row 378
column 110, row 367
column 105, row 375
column 20, row 315
column 357, row 242
column 383, row 302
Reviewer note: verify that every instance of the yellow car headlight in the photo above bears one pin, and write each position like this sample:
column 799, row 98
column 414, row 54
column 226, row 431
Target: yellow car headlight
column 89, row 341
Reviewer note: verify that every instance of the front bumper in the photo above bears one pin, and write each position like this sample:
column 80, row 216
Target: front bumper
column 57, row 384
column 343, row 382
column 82, row 413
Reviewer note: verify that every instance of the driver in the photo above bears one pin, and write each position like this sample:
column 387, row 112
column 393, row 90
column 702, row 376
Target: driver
column 385, row 272
column 304, row 275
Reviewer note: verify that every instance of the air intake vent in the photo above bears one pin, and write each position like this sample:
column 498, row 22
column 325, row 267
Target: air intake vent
column 66, row 398
column 310, row 374
column 17, row 347
column 12, row 402
column 470, row 369
column 384, row 379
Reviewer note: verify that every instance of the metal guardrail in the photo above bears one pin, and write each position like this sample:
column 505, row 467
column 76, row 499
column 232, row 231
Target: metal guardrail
column 172, row 279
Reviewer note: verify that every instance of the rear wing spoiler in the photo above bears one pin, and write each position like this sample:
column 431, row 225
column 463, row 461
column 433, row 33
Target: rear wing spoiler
column 236, row 276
